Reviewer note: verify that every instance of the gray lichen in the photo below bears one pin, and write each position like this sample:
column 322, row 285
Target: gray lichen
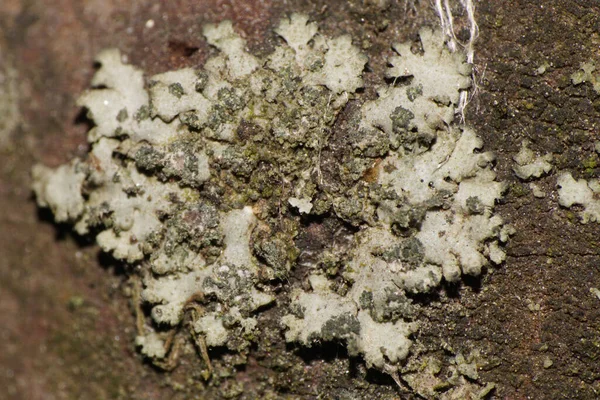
column 573, row 191
column 207, row 180
column 529, row 165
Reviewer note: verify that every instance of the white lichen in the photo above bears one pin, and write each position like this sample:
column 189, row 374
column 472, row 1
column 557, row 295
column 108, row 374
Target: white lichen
column 239, row 62
column 169, row 98
column 529, row 165
column 586, row 73
column 537, row 191
column 204, row 179
column 151, row 345
column 303, row 205
column 60, row 190
column 441, row 74
column 580, row 192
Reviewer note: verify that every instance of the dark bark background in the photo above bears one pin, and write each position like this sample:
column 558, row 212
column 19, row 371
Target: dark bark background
column 67, row 326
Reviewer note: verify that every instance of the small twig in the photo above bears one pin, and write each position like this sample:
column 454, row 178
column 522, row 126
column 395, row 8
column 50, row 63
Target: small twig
column 196, row 311
column 137, row 300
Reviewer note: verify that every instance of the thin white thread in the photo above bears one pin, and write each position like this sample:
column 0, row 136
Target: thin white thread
column 444, row 12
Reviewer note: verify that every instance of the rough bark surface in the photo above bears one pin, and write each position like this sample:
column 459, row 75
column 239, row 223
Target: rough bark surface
column 68, row 325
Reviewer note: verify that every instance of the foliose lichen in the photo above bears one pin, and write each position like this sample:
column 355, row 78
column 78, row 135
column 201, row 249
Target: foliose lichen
column 582, row 192
column 530, row 166
column 208, row 179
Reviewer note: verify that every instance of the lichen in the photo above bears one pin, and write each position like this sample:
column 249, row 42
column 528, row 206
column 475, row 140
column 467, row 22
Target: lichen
column 529, row 165
column 210, row 182
column 573, row 191
column 585, row 73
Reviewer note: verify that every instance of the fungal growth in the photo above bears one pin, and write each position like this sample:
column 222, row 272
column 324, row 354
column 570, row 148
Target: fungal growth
column 256, row 183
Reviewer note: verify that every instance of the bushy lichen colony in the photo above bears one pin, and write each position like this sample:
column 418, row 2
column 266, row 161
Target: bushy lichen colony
column 211, row 180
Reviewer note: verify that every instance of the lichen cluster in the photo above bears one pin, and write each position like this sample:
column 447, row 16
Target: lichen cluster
column 212, row 180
